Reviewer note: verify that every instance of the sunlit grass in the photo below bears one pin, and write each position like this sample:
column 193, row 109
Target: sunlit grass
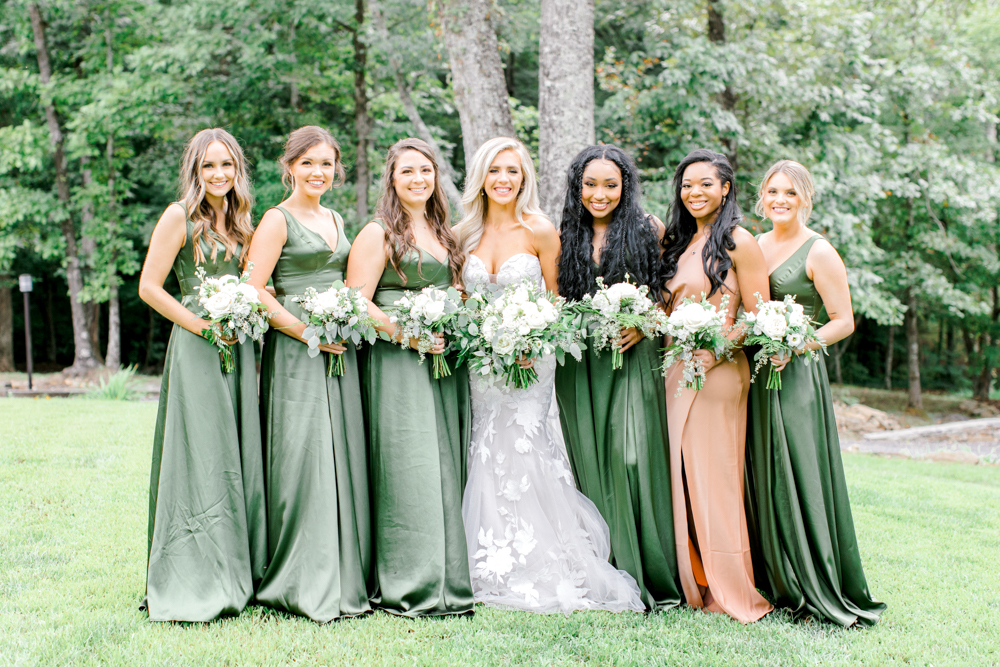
column 73, row 499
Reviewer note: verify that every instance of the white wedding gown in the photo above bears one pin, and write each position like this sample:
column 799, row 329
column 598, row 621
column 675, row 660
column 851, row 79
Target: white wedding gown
column 535, row 542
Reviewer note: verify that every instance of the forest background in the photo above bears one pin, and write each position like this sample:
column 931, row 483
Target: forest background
column 892, row 104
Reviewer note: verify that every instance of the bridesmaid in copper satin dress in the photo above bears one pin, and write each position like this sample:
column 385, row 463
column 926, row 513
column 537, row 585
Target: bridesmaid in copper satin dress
column 706, row 251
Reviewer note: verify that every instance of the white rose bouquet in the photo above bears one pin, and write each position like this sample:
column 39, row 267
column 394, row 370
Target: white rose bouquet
column 425, row 313
column 695, row 325
column 339, row 313
column 621, row 306
column 233, row 310
column 520, row 321
column 782, row 328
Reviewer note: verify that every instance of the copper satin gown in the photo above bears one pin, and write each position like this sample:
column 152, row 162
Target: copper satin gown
column 707, row 431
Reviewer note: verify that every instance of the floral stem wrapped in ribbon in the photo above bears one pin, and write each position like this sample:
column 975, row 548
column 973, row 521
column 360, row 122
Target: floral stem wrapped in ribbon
column 520, row 322
column 233, row 310
column 696, row 325
column 424, row 314
column 337, row 314
column 779, row 328
column 621, row 306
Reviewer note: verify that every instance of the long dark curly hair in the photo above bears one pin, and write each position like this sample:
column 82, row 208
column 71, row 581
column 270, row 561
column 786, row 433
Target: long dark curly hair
column 682, row 226
column 631, row 244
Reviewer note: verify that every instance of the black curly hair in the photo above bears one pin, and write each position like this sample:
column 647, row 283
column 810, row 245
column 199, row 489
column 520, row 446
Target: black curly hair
column 631, row 245
column 682, row 226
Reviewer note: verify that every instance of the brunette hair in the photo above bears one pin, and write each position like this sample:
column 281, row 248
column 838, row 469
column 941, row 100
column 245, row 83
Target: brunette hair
column 631, row 245
column 301, row 140
column 682, row 226
column 237, row 205
column 801, row 180
column 475, row 202
column 396, row 219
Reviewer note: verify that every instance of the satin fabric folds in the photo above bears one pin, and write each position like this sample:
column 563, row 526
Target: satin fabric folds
column 615, row 426
column 797, row 493
column 315, row 461
column 419, row 431
column 207, row 533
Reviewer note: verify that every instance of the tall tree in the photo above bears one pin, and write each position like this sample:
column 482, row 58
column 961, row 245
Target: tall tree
column 476, row 71
column 362, row 120
column 83, row 357
column 565, row 94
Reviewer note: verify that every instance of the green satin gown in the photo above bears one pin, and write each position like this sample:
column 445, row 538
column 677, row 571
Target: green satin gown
column 207, row 536
column 419, row 432
column 615, row 426
column 319, row 538
column 797, row 494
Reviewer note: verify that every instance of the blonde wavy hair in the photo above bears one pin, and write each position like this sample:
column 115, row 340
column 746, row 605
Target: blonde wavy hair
column 475, row 202
column 238, row 204
column 801, row 180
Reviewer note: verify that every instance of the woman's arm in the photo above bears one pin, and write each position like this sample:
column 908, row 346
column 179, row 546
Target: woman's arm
column 365, row 266
column 827, row 271
column 265, row 249
column 167, row 240
column 546, row 244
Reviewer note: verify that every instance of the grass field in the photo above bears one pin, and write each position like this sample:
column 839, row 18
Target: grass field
column 73, row 499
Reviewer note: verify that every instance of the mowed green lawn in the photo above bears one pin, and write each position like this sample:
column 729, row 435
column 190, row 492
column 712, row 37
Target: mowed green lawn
column 73, row 504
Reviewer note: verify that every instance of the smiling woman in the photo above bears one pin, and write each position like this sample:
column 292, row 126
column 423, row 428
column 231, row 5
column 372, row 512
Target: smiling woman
column 314, row 439
column 206, row 499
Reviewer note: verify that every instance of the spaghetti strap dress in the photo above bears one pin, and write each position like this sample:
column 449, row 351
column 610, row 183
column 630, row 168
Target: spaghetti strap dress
column 418, row 434
column 707, row 431
column 319, row 544
column 796, row 485
column 207, row 532
column 615, row 426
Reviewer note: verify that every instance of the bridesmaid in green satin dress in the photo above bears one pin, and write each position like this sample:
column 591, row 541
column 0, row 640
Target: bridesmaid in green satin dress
column 615, row 421
column 314, row 438
column 795, row 476
column 418, row 427
column 207, row 531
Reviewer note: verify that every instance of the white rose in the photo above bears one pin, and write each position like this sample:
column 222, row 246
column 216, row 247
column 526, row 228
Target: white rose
column 691, row 317
column 505, row 344
column 549, row 312
column 219, row 304
column 521, row 295
column 434, row 310
column 535, row 320
column 797, row 320
column 773, row 325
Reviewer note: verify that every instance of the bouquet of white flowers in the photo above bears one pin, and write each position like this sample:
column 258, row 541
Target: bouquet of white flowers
column 695, row 325
column 233, row 310
column 520, row 321
column 621, row 306
column 339, row 313
column 779, row 327
column 424, row 314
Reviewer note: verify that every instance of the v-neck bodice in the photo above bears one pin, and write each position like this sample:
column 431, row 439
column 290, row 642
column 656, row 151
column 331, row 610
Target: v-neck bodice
column 420, row 268
column 792, row 278
column 306, row 259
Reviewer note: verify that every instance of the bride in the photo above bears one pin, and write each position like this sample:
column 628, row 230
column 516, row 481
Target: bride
column 535, row 542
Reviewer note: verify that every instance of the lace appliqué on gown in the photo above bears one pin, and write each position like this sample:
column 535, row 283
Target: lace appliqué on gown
column 535, row 542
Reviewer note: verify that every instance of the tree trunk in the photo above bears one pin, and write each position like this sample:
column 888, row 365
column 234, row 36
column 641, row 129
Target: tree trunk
column 565, row 94
column 982, row 385
column 6, row 324
column 447, row 174
column 727, row 98
column 888, row 356
column 476, row 72
column 293, row 93
column 83, row 353
column 113, row 355
column 914, row 400
column 362, row 122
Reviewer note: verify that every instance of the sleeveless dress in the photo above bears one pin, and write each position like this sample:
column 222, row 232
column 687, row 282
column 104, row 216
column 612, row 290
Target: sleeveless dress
column 707, row 444
column 796, row 484
column 207, row 531
column 535, row 542
column 316, row 470
column 418, row 430
column 615, row 425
